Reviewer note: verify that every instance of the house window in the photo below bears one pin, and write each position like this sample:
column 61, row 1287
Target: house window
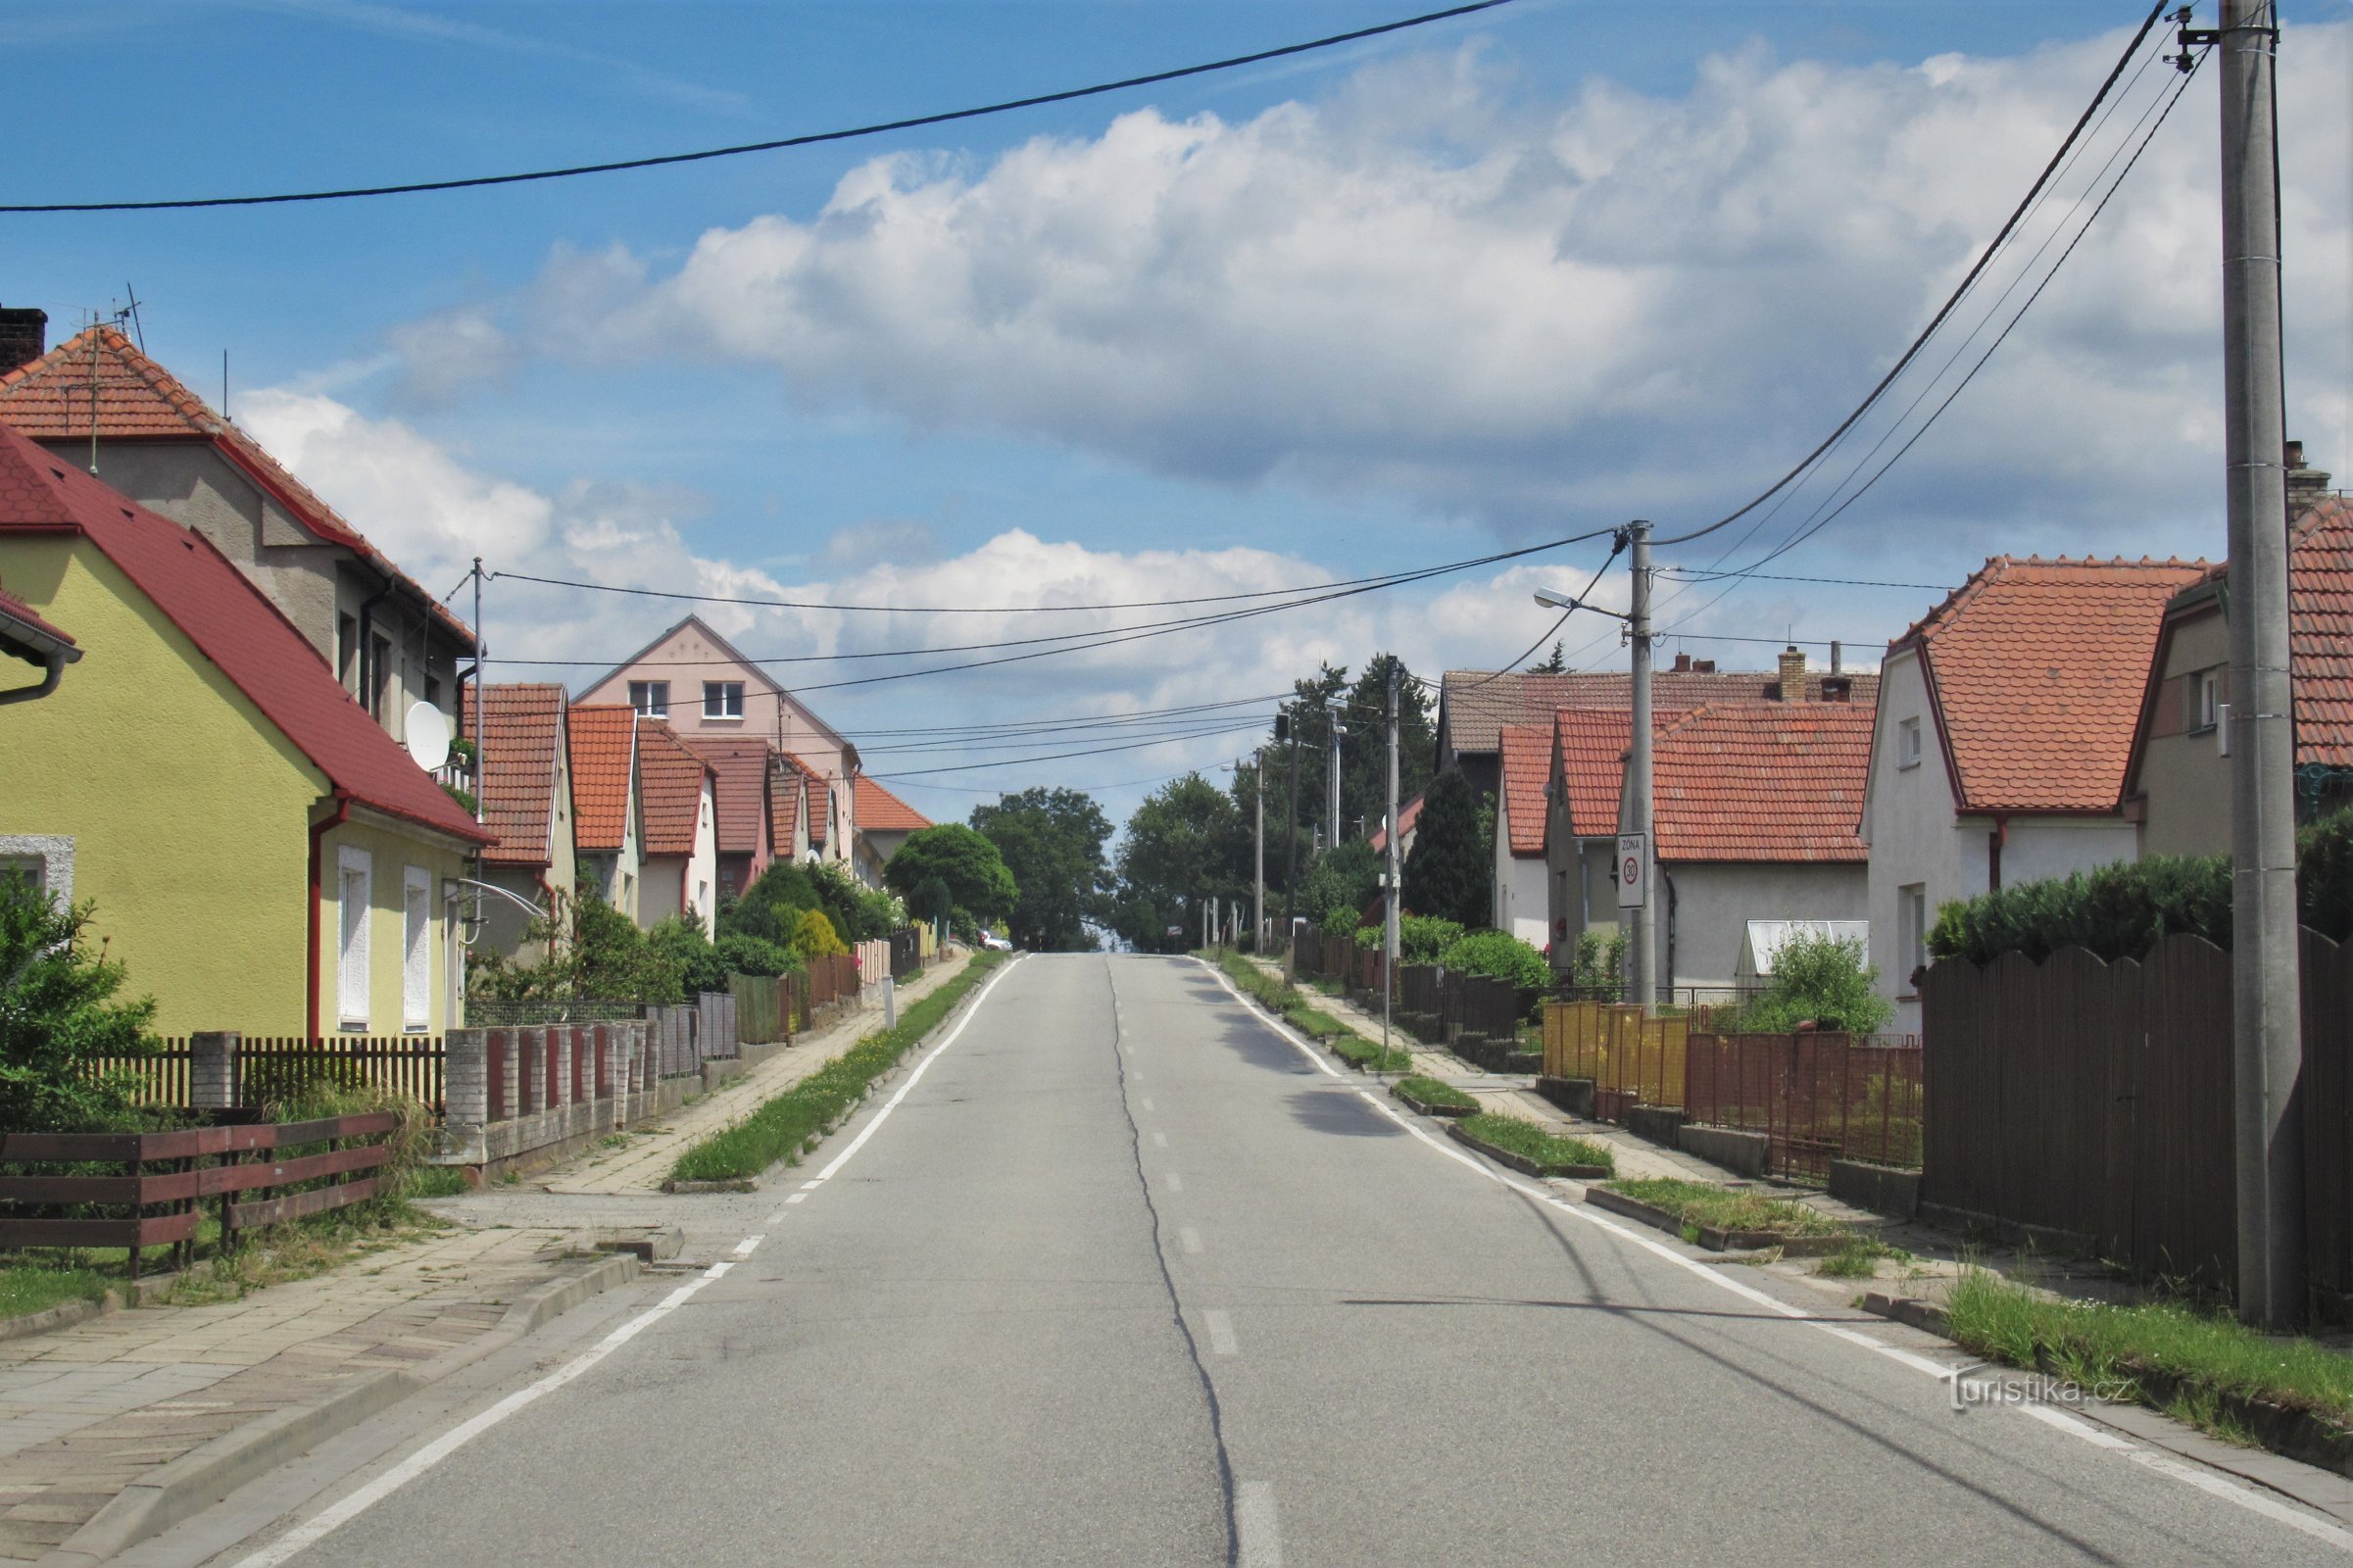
column 1907, row 743
column 2205, row 699
column 379, row 676
column 652, row 697
column 1911, row 934
column 351, row 969
column 723, row 699
column 417, row 948
column 45, row 859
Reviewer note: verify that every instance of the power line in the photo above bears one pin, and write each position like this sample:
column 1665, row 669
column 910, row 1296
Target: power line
column 1056, row 757
column 809, row 139
column 1695, row 575
column 1052, row 721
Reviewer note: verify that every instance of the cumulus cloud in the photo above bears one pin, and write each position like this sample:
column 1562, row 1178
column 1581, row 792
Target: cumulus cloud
column 1425, row 287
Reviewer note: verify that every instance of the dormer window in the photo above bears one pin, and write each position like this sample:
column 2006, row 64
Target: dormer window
column 1907, row 743
column 723, row 699
column 651, row 698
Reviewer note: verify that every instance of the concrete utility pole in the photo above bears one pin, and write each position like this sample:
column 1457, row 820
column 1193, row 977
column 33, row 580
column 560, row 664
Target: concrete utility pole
column 1644, row 943
column 1259, row 866
column 1332, row 780
column 2266, row 1029
column 1395, row 891
column 1287, row 724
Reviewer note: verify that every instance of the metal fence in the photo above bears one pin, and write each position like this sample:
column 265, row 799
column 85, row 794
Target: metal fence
column 1631, row 1058
column 907, row 951
column 1817, row 1097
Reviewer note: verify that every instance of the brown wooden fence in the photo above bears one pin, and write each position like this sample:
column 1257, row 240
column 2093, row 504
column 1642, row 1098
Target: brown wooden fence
column 832, row 978
column 271, row 1068
column 2095, row 1098
column 1816, row 1096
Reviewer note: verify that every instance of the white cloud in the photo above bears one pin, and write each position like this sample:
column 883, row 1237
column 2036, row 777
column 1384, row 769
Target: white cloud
column 1422, row 287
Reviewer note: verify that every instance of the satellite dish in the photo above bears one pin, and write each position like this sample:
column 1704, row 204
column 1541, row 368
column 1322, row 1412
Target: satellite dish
column 428, row 732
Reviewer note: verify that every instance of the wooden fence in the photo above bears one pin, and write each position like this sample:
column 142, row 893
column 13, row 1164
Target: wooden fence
column 273, row 1068
column 2095, row 1098
column 832, row 978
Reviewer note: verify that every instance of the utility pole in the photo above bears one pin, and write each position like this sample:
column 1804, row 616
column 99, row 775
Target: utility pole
column 1394, row 891
column 1287, row 724
column 1258, row 859
column 2266, row 1029
column 482, row 693
column 1332, row 780
column 1637, row 774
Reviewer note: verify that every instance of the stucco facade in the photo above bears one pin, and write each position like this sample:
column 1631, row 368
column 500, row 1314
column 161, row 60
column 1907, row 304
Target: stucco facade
column 1521, row 900
column 672, row 883
column 1704, row 909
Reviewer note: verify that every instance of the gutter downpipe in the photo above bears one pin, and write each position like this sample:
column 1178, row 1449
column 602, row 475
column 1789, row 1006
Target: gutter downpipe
column 319, row 833
column 1994, row 851
column 367, row 635
column 53, row 670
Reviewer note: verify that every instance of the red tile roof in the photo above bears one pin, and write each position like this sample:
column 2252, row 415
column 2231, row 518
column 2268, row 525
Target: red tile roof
column 881, row 811
column 521, row 727
column 1762, row 781
column 2320, row 620
column 604, row 756
column 1527, row 757
column 1410, row 816
column 1589, row 759
column 2038, row 669
column 203, row 594
column 740, row 764
column 1475, row 704
column 20, row 625
column 820, row 799
column 785, row 789
column 50, row 400
column 670, row 781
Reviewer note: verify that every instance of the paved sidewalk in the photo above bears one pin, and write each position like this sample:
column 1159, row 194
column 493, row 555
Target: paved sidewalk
column 1431, row 1061
column 643, row 1162
column 90, row 1410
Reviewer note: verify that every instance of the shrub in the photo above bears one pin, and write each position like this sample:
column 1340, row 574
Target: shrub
column 757, row 955
column 1425, row 938
column 1501, row 956
column 1823, row 980
column 816, row 938
column 2114, row 911
column 1599, row 962
column 678, row 941
column 1344, row 877
column 57, row 1011
column 1340, row 921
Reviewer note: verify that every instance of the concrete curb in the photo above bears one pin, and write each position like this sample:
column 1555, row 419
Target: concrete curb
column 1416, row 1103
column 203, row 1476
column 1521, row 1163
column 64, row 1315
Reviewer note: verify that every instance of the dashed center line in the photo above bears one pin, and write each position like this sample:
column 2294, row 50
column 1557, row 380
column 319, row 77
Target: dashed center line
column 1254, row 1532
column 796, row 1198
column 1221, row 1332
column 745, row 1246
column 1188, row 1239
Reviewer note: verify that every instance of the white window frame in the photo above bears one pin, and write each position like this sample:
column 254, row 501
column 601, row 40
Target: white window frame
column 417, row 949
column 726, row 695
column 1911, row 932
column 2205, row 704
column 1907, row 742
column 50, row 856
column 355, row 868
column 651, row 698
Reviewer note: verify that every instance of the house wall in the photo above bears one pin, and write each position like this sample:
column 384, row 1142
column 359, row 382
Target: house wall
column 1910, row 824
column 1521, row 901
column 189, row 812
column 503, row 925
column 1704, row 924
column 703, row 867
column 391, row 849
column 657, row 898
column 2184, row 777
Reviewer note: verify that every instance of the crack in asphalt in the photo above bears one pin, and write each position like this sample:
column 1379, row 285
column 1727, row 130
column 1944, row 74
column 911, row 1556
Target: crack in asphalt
column 1176, row 1310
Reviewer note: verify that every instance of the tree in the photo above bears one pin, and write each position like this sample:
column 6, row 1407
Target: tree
column 1051, row 841
column 975, row 873
column 59, row 1017
column 1823, row 980
column 1185, row 843
column 1451, row 870
column 1364, row 771
column 1557, row 664
column 1347, row 878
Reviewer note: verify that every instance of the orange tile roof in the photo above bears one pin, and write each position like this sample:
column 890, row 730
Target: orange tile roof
column 2319, row 625
column 881, row 811
column 1410, row 816
column 1590, row 758
column 1527, row 757
column 820, row 799
column 669, row 783
column 1476, row 703
column 49, row 399
column 2036, row 669
column 1762, row 781
column 739, row 765
column 521, row 725
column 786, row 788
column 603, row 762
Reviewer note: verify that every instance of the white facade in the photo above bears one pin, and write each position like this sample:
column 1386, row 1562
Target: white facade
column 676, row 882
column 1705, row 909
column 1521, row 902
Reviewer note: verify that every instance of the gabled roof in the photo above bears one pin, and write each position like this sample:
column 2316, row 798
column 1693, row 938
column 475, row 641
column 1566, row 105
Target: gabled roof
column 1474, row 705
column 1762, row 781
column 881, row 811
column 51, row 399
column 25, row 633
column 1588, row 758
column 738, row 764
column 521, row 729
column 251, row 641
column 728, row 651
column 670, row 781
column 1527, row 757
column 1410, row 816
column 820, row 799
column 2319, row 632
column 604, row 764
column 2037, row 670
column 787, row 788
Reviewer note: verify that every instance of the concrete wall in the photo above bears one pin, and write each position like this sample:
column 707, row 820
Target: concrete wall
column 2184, row 777
column 392, row 849
column 1714, row 902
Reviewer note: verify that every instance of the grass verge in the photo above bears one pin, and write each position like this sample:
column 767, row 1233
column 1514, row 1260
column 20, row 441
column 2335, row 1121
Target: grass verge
column 35, row 1288
column 1526, row 1137
column 1286, row 1003
column 1431, row 1092
column 790, row 1125
column 1724, row 1209
column 1858, row 1258
column 2170, row 1357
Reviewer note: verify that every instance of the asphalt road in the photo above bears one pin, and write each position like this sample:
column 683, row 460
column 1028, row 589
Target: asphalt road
column 1126, row 1277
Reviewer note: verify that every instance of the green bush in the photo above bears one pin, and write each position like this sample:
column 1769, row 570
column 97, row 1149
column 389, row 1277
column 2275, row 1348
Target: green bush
column 2324, row 875
column 1425, row 938
column 58, row 1013
column 1822, row 980
column 757, row 955
column 1599, row 962
column 1499, row 955
column 678, row 941
column 816, row 937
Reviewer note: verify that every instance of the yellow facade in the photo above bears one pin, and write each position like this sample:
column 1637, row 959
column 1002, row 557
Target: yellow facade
column 188, row 813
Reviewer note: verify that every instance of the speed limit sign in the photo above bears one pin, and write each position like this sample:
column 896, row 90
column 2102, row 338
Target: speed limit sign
column 1634, row 855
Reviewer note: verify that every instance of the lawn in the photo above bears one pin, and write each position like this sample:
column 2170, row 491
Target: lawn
column 1725, row 1208
column 1526, row 1137
column 27, row 1287
column 1431, row 1092
column 1286, row 1003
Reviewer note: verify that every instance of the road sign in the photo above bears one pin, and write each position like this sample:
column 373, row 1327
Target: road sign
column 1634, row 852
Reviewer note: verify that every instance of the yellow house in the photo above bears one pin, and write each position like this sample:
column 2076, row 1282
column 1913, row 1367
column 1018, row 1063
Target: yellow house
column 262, row 857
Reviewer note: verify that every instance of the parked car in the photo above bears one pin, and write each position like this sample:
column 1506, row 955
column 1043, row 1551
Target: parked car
column 996, row 943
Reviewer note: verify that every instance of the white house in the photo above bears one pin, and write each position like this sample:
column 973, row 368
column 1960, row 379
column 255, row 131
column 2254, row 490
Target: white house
column 2005, row 725
column 1521, row 901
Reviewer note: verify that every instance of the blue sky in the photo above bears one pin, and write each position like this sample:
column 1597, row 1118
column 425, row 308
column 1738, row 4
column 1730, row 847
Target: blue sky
column 1490, row 282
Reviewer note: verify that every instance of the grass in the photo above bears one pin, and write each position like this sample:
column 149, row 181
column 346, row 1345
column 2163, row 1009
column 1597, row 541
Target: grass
column 2147, row 1348
column 1431, row 1092
column 31, row 1287
column 790, row 1125
column 1858, row 1258
column 1526, row 1137
column 1287, row 1004
column 1701, row 1206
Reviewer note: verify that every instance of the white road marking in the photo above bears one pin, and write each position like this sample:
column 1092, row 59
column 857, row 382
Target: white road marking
column 1188, row 1239
column 1176, row 1183
column 776, row 1219
column 1159, row 1139
column 810, row 1187
column 323, row 1523
column 1146, row 1104
column 2245, row 1497
column 1261, row 1545
column 916, row 1077
column 1221, row 1332
column 314, row 1529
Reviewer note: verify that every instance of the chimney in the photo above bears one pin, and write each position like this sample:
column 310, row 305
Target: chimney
column 1835, row 666
column 1682, row 664
column 1703, row 667
column 1792, row 675
column 23, row 336
column 2305, row 486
